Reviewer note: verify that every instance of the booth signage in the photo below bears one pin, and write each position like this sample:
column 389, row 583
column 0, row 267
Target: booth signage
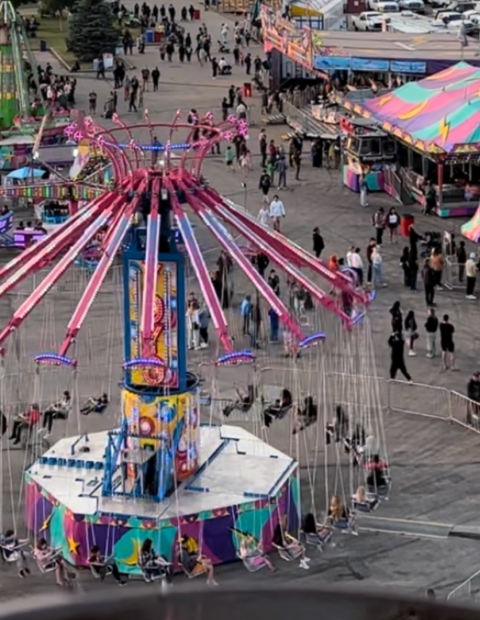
column 370, row 64
column 405, row 66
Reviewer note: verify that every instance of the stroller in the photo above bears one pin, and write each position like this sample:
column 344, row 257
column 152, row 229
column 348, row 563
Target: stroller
column 431, row 240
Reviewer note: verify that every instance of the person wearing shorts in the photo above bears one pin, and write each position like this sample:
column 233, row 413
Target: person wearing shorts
column 446, row 341
column 393, row 220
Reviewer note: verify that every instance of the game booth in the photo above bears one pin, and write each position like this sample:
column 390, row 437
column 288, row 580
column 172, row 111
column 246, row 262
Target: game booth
column 436, row 126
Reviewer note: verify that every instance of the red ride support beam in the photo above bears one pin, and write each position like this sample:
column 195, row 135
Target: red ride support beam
column 201, row 271
column 224, row 238
column 297, row 275
column 57, row 272
column 116, row 235
column 147, row 322
column 290, row 250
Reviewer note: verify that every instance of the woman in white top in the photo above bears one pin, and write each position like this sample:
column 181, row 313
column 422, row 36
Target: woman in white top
column 356, row 263
column 277, row 211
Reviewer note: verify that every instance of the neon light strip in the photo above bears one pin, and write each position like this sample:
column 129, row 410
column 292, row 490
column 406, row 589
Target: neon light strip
column 53, row 358
column 143, row 363
column 235, row 358
column 147, row 324
column 201, row 271
column 313, row 339
column 225, row 240
column 115, row 239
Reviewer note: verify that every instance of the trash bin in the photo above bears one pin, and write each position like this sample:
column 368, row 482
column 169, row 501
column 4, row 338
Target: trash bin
column 196, row 14
column 247, row 89
column 149, row 36
column 407, row 221
column 43, row 45
column 157, row 37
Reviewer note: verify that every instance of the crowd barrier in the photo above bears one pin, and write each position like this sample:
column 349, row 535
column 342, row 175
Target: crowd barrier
column 450, row 275
column 469, row 590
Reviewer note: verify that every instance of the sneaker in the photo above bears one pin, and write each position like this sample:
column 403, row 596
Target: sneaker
column 429, row 355
column 471, row 297
column 304, row 565
column 307, row 559
column 121, row 583
column 411, row 353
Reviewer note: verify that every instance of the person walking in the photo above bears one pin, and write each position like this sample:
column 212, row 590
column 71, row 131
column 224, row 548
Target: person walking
column 378, row 221
column 274, row 325
column 264, row 216
column 431, row 329
column 397, row 362
column 281, row 168
column 246, row 312
column 363, row 190
column 155, row 79
column 377, row 268
column 262, row 145
column 318, row 243
column 446, row 342
column 411, row 332
column 471, row 269
column 371, row 244
column 277, row 211
column 393, row 221
column 256, row 326
column 428, row 283
column 356, row 264
column 461, row 254
column 203, row 322
column 437, row 263
column 264, row 185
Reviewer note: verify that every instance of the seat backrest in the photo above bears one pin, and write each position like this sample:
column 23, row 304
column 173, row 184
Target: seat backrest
column 6, row 222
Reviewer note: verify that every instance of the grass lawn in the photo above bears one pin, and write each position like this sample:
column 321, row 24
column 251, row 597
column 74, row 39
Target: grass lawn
column 50, row 32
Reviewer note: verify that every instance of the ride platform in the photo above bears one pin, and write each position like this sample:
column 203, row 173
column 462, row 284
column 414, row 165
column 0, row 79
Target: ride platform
column 241, row 485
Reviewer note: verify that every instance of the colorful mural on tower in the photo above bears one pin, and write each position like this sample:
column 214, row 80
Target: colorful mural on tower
column 166, row 322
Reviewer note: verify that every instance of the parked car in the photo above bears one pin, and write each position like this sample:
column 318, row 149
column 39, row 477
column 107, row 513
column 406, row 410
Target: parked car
column 384, row 7
column 416, row 6
column 450, row 20
column 461, row 7
column 370, row 21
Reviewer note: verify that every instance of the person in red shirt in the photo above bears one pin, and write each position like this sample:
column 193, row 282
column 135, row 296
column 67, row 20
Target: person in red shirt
column 29, row 420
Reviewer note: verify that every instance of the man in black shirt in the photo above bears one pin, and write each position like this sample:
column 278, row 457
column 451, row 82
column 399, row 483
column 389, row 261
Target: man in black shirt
column 318, row 243
column 446, row 341
column 397, row 345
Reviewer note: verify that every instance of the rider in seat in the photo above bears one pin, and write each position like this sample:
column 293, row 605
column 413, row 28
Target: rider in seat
column 243, row 403
column 193, row 562
column 364, row 501
column 377, row 472
column 251, row 551
column 307, row 415
column 224, row 67
column 153, row 565
column 339, row 516
column 279, row 408
column 316, row 530
column 100, row 565
column 48, row 559
column 58, row 410
column 27, row 420
column 95, row 404
column 337, row 430
column 12, row 552
column 289, row 547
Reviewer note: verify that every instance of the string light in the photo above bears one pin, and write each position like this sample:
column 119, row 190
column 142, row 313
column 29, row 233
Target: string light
column 54, row 358
column 237, row 357
column 310, row 340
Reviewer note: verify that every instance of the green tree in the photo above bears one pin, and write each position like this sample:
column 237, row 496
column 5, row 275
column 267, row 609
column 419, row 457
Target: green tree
column 91, row 30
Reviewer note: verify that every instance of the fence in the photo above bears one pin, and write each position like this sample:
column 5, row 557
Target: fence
column 469, row 590
column 451, row 273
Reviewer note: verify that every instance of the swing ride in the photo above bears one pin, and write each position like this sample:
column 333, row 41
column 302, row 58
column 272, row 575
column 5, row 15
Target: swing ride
column 159, row 473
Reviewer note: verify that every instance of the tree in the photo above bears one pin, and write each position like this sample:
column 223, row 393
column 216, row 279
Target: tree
column 91, row 30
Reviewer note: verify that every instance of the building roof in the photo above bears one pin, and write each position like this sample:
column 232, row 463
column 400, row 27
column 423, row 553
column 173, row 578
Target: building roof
column 439, row 115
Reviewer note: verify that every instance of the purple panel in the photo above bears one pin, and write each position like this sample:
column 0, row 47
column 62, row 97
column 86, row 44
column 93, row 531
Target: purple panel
column 105, row 536
column 218, row 539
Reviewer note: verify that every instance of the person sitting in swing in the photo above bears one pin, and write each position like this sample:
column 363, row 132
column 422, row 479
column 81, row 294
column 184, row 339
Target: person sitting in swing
column 313, row 529
column 49, row 559
column 27, row 420
column 12, row 552
column 279, row 408
column 250, row 551
column 95, row 404
column 339, row 429
column 101, row 565
column 355, row 445
column 364, row 501
column 153, row 565
column 243, row 403
column 377, row 469
column 307, row 415
column 291, row 547
column 193, row 562
column 57, row 411
column 339, row 516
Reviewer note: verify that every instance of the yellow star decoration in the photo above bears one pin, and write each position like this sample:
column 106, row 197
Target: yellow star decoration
column 73, row 546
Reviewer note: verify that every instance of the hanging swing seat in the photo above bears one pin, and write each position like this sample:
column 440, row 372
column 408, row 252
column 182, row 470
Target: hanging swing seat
column 369, row 505
column 382, row 491
column 12, row 552
column 156, row 571
column 96, row 568
column 318, row 540
column 254, row 561
column 292, row 550
column 196, row 572
column 48, row 565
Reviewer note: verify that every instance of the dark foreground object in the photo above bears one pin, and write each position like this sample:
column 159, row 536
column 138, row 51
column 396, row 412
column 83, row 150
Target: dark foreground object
column 234, row 604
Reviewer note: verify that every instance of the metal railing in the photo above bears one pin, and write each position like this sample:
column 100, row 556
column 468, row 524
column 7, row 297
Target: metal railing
column 469, row 590
column 403, row 397
column 451, row 274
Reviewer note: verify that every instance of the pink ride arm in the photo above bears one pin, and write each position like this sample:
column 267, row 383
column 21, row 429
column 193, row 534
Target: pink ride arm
column 201, row 271
column 225, row 240
column 44, row 252
column 117, row 234
column 147, row 324
column 57, row 272
column 293, row 271
column 290, row 250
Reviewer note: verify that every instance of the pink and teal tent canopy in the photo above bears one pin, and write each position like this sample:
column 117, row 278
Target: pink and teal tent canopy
column 439, row 115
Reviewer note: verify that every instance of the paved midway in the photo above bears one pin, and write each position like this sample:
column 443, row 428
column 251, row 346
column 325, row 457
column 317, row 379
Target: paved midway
column 435, row 465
